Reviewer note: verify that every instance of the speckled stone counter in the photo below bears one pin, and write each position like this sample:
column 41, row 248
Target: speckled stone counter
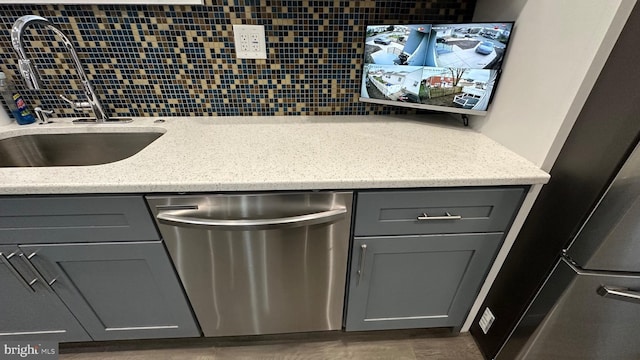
column 282, row 153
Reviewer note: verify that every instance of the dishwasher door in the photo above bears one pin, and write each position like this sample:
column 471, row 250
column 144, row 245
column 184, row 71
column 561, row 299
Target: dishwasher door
column 259, row 263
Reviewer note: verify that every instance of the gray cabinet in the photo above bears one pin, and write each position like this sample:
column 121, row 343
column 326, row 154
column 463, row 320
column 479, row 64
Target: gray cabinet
column 116, row 290
column 419, row 257
column 77, row 289
column 416, row 281
column 30, row 309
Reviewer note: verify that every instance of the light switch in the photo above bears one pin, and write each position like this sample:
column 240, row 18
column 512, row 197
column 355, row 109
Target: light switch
column 250, row 41
column 486, row 320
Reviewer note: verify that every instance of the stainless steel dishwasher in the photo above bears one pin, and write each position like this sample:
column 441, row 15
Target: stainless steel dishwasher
column 259, row 263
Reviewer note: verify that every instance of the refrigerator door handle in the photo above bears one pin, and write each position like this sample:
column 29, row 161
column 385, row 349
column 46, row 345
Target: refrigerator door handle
column 618, row 293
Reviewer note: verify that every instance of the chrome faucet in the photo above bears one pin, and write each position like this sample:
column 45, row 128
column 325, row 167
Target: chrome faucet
column 32, row 77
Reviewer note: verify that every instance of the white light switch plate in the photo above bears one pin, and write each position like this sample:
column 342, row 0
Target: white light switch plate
column 486, row 320
column 250, row 41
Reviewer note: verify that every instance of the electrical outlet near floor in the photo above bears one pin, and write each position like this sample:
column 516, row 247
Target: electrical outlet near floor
column 486, row 320
column 250, row 41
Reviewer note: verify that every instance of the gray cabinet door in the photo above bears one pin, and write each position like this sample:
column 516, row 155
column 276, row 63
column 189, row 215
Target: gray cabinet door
column 400, row 282
column 117, row 290
column 29, row 310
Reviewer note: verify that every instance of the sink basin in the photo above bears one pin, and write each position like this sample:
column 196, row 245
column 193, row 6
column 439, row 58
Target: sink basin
column 77, row 149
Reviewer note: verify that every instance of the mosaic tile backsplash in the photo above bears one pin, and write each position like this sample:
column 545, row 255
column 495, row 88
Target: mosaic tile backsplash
column 180, row 60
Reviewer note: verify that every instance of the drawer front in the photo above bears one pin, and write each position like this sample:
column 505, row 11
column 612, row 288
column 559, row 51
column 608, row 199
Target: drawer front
column 28, row 220
column 436, row 211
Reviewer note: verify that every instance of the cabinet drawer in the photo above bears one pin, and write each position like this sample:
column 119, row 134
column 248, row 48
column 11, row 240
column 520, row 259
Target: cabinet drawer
column 403, row 212
column 28, row 220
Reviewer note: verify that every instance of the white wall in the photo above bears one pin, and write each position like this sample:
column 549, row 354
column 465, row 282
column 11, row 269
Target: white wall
column 556, row 52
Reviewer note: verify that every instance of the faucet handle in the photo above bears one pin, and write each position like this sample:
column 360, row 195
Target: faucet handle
column 79, row 105
column 43, row 115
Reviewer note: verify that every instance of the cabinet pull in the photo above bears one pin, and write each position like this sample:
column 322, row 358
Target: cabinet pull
column 15, row 272
column 447, row 216
column 363, row 254
column 36, row 272
column 619, row 293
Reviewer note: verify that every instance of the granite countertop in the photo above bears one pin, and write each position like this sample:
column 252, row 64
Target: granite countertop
column 282, row 153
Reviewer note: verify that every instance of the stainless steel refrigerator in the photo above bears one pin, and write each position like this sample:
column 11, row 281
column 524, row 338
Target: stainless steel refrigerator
column 597, row 313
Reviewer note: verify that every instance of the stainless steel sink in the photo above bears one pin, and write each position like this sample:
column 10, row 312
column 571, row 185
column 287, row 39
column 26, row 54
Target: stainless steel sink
column 74, row 149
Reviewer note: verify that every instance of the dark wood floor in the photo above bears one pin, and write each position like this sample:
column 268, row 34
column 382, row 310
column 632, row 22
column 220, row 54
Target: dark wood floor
column 397, row 345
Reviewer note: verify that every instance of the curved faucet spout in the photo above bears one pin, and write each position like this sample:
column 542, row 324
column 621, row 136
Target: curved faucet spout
column 27, row 70
column 17, row 31
column 31, row 75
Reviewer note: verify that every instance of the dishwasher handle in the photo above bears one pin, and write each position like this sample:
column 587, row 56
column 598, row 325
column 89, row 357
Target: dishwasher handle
column 173, row 219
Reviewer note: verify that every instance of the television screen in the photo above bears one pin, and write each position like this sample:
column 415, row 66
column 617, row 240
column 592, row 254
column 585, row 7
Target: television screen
column 444, row 67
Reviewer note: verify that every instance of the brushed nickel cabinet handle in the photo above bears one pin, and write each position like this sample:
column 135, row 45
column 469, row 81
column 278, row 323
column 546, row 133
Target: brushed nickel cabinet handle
column 16, row 273
column 447, row 216
column 37, row 273
column 363, row 254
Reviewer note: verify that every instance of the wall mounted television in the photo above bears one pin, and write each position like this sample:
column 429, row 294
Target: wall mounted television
column 443, row 67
